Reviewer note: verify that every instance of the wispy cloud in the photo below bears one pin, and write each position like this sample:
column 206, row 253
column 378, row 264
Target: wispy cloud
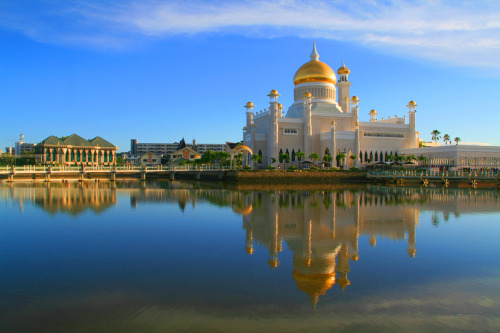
column 458, row 32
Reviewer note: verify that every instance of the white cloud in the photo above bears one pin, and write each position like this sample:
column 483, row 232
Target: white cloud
column 459, row 32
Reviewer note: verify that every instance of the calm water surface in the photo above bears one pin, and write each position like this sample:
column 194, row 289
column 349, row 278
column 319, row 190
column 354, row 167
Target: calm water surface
column 180, row 256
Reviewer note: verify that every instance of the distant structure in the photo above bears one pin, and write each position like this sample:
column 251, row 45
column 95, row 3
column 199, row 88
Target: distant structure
column 319, row 122
column 75, row 150
column 23, row 147
column 149, row 159
column 324, row 120
column 166, row 149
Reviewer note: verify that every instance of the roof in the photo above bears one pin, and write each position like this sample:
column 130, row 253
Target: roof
column 76, row 140
column 52, row 140
column 100, row 142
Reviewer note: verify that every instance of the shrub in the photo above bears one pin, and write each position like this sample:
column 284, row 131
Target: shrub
column 270, row 167
column 354, row 169
column 313, row 169
column 247, row 167
column 292, row 168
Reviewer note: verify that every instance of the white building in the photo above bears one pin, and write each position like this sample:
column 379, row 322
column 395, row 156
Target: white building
column 324, row 119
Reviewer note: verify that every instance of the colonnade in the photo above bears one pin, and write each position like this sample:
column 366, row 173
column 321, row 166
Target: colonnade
column 78, row 156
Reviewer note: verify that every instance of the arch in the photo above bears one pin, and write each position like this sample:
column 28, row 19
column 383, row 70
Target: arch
column 366, row 155
column 327, row 151
column 293, row 155
column 376, row 156
column 361, row 156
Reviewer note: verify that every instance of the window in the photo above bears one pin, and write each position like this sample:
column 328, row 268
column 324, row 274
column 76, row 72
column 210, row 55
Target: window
column 291, row 131
column 384, row 135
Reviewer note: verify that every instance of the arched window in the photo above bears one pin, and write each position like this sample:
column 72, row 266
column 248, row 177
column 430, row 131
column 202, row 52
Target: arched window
column 260, row 153
column 293, row 155
column 376, row 157
column 366, row 155
column 361, row 156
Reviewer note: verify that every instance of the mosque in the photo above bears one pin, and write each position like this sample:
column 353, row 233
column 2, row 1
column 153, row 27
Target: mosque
column 324, row 119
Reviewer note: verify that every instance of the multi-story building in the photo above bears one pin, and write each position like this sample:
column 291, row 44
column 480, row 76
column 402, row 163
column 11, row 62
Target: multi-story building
column 22, row 147
column 167, row 149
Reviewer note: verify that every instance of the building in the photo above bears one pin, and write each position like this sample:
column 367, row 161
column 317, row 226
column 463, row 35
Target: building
column 184, row 153
column 324, row 119
column 75, row 150
column 22, row 147
column 167, row 149
column 148, row 159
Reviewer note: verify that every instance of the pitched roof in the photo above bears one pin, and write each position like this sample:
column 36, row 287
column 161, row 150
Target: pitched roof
column 182, row 144
column 76, row 140
column 185, row 149
column 52, row 140
column 100, row 142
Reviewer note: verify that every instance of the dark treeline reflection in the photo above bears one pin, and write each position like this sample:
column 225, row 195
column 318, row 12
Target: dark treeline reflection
column 320, row 227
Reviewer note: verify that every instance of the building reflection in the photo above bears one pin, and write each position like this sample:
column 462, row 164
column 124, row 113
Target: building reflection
column 321, row 228
column 73, row 198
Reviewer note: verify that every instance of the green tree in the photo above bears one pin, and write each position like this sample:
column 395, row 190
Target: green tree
column 300, row 155
column 353, row 157
column 328, row 158
column 284, row 158
column 273, row 160
column 410, row 158
column 208, row 157
column 239, row 158
column 340, row 157
column 446, row 139
column 390, row 158
column 314, row 157
column 435, row 135
column 256, row 158
column 7, row 159
column 457, row 140
column 422, row 159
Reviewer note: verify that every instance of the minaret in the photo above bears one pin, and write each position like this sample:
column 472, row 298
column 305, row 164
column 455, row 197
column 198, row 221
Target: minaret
column 249, row 106
column 343, row 85
column 355, row 112
column 373, row 115
column 308, row 139
column 413, row 133
column 272, row 142
column 333, row 142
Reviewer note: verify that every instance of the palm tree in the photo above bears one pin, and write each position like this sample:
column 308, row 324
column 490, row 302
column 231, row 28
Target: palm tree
column 390, row 158
column 239, row 158
column 314, row 157
column 327, row 158
column 300, row 155
column 353, row 157
column 446, row 138
column 422, row 159
column 410, row 158
column 340, row 157
column 435, row 135
column 256, row 158
column 457, row 140
column 284, row 158
column 273, row 160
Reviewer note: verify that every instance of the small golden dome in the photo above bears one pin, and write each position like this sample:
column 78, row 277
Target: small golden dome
column 280, row 106
column 314, row 71
column 307, row 94
column 354, row 99
column 373, row 112
column 249, row 105
column 343, row 69
column 412, row 103
column 273, row 92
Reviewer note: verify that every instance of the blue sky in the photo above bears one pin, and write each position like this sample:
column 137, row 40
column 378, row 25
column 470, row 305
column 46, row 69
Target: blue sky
column 162, row 70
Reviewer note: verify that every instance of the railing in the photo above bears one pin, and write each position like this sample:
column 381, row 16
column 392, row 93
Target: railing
column 85, row 168
column 435, row 174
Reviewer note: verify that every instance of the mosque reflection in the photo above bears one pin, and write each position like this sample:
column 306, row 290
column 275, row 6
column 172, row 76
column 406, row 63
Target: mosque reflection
column 320, row 227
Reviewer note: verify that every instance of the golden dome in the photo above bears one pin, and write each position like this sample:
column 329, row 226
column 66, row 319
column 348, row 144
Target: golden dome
column 343, row 69
column 373, row 112
column 314, row 71
column 280, row 106
column 273, row 92
column 412, row 103
column 355, row 99
column 308, row 94
column 249, row 105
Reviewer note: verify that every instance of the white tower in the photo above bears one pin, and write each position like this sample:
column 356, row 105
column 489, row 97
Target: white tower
column 343, row 85
column 412, row 113
column 249, row 106
column 272, row 142
column 308, row 144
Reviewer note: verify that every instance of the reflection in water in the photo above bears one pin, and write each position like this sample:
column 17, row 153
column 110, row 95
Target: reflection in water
column 321, row 228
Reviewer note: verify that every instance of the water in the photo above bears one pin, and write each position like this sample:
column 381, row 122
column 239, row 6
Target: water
column 185, row 257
